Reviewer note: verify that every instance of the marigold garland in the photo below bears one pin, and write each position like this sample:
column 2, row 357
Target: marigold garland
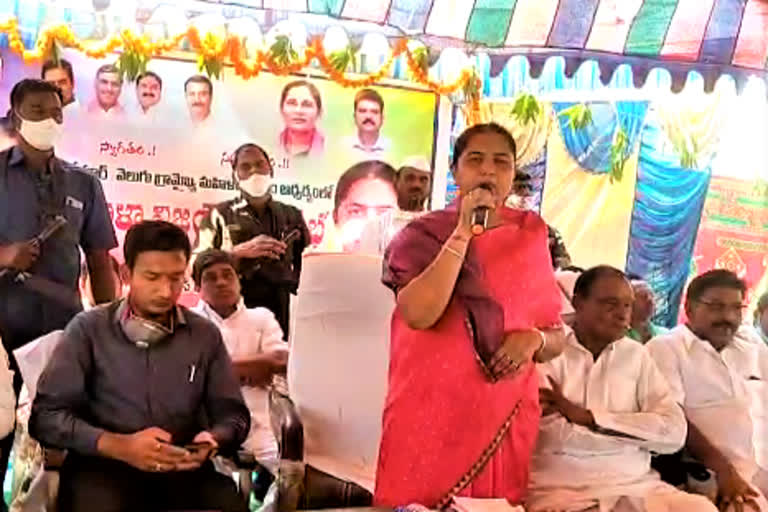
column 214, row 48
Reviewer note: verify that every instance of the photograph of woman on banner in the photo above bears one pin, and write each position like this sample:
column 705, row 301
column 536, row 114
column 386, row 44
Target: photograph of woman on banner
column 301, row 107
column 365, row 191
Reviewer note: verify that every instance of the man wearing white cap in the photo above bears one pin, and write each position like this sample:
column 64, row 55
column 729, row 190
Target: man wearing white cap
column 412, row 185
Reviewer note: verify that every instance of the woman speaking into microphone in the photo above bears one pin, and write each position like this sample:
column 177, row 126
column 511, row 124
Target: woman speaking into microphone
column 477, row 305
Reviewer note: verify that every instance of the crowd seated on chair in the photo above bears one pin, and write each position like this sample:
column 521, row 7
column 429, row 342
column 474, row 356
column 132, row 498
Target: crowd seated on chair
column 527, row 387
column 141, row 393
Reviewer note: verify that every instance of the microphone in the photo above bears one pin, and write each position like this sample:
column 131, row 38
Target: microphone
column 480, row 220
column 480, row 215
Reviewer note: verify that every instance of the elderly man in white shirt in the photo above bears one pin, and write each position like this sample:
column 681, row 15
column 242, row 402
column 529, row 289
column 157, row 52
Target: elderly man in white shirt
column 606, row 408
column 254, row 340
column 721, row 380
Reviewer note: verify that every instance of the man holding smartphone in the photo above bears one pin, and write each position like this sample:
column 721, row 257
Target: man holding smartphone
column 266, row 236
column 141, row 392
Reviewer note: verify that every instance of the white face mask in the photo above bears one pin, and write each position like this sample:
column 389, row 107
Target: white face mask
column 256, row 185
column 41, row 135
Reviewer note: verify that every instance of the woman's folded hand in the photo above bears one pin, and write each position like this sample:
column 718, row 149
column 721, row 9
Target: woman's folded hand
column 518, row 349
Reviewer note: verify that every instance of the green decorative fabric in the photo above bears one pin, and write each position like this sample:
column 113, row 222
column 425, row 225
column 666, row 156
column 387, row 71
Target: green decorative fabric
column 489, row 22
column 329, row 7
column 646, row 37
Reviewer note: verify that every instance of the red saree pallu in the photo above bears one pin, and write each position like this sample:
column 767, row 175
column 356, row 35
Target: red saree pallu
column 449, row 428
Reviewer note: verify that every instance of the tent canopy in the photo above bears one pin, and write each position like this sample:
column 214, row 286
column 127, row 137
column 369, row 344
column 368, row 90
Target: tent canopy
column 712, row 37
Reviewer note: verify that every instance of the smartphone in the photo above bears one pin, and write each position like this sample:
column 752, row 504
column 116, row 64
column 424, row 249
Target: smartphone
column 291, row 236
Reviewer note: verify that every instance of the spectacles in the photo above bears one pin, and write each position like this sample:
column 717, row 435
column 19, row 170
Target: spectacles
column 719, row 307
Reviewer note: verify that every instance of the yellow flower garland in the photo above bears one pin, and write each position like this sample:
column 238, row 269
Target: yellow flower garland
column 212, row 47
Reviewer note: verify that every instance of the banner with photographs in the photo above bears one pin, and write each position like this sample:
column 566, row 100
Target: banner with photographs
column 162, row 146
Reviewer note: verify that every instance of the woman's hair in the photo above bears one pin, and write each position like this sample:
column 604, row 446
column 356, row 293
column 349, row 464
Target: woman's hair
column 313, row 90
column 370, row 169
column 464, row 139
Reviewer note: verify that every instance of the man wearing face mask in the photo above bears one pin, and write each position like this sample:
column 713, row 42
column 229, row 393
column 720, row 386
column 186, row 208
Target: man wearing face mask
column 524, row 198
column 267, row 236
column 39, row 282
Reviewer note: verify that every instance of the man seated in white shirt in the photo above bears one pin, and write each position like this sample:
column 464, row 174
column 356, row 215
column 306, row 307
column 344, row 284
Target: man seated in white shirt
column 255, row 343
column 606, row 408
column 721, row 380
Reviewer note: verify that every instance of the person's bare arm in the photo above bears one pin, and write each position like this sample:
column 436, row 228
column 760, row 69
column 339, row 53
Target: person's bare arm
column 423, row 301
column 555, row 342
column 101, row 274
column 258, row 370
column 733, row 490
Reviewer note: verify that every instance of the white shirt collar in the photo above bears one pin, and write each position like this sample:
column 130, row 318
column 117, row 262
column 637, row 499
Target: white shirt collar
column 573, row 341
column 690, row 338
column 215, row 317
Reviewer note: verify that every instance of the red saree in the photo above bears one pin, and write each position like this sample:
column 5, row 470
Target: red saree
column 448, row 428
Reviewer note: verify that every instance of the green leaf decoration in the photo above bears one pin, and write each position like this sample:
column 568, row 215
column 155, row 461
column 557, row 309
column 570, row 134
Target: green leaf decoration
column 526, row 108
column 282, row 52
column 131, row 65
column 578, row 116
column 55, row 53
column 342, row 60
column 421, row 56
column 472, row 87
column 619, row 154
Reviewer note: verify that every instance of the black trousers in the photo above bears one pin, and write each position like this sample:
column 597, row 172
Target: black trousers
column 96, row 484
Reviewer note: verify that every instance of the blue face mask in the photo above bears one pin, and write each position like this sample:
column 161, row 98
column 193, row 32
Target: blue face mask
column 140, row 331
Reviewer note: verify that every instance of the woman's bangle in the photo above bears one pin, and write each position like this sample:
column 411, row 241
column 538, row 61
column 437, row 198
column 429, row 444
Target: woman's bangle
column 453, row 251
column 542, row 346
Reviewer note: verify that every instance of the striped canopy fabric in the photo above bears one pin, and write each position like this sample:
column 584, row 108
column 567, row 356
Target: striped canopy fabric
column 713, row 37
column 722, row 32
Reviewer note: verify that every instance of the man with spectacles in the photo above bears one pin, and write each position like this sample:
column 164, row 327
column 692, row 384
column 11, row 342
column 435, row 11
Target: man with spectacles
column 722, row 383
column 267, row 237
